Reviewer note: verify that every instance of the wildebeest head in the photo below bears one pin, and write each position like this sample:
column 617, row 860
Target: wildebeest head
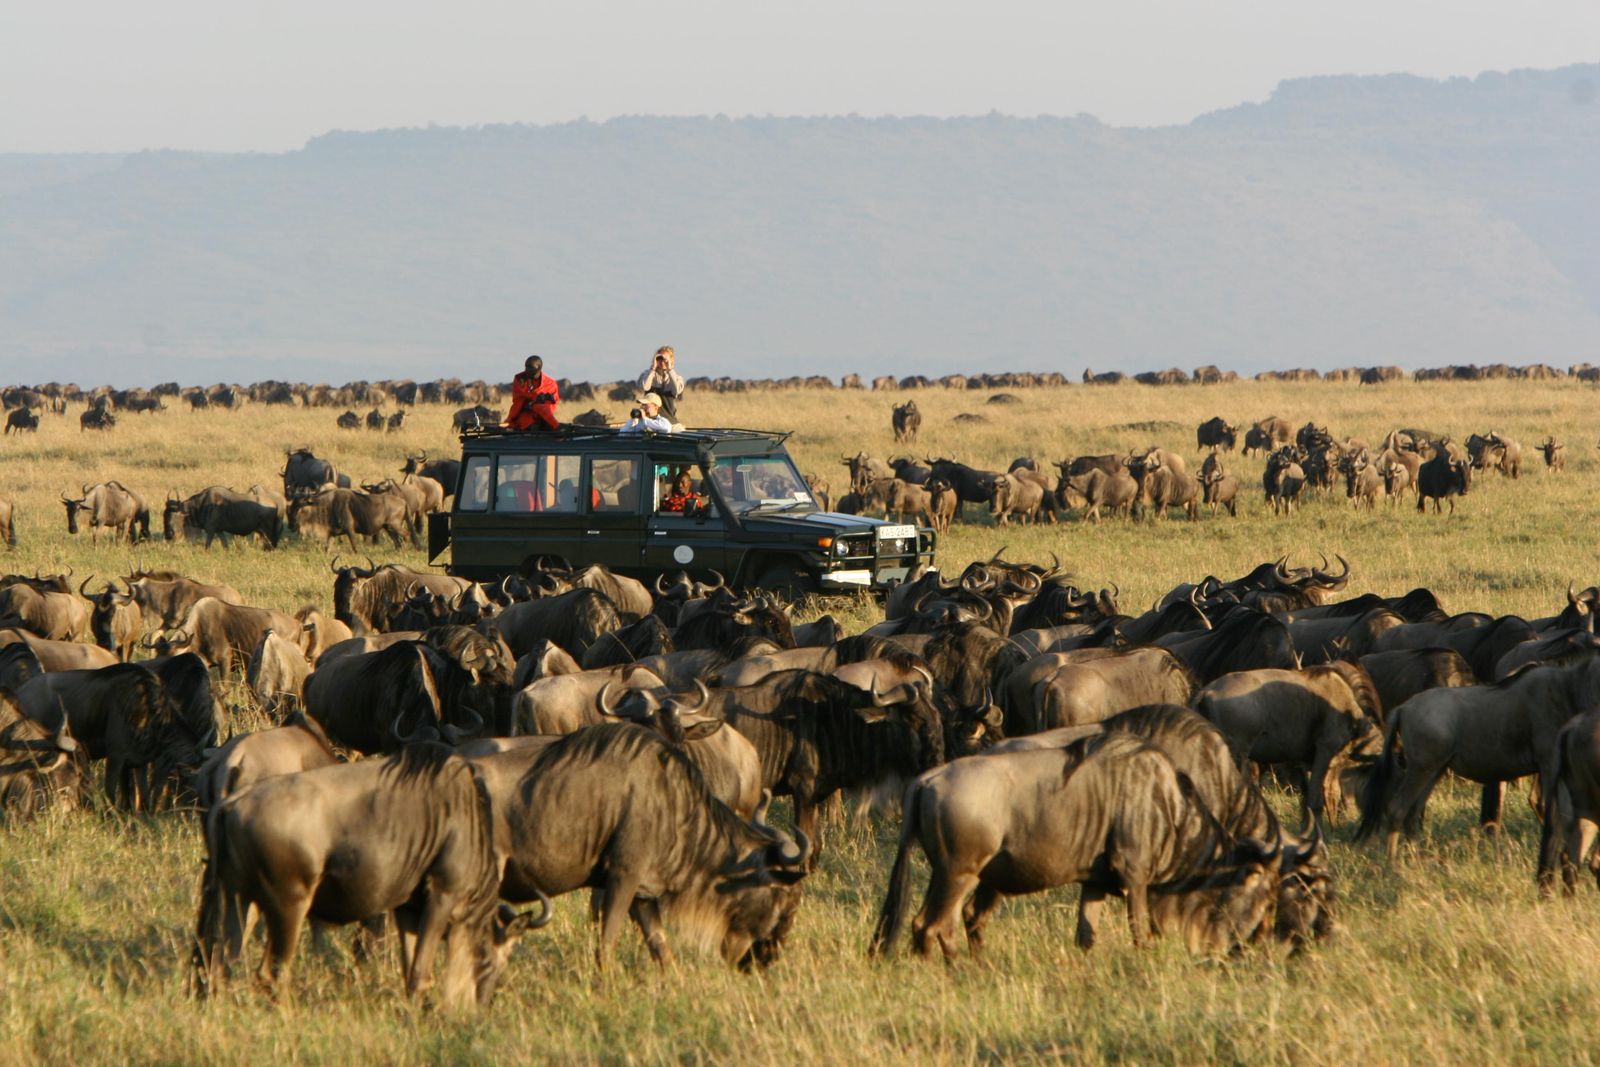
column 1305, row 892
column 73, row 507
column 759, row 918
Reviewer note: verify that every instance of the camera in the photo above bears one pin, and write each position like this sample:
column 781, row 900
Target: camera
column 636, row 413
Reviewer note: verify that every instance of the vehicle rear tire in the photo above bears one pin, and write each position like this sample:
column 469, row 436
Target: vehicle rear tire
column 788, row 580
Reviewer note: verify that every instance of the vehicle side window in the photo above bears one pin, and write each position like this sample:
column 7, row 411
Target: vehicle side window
column 537, row 483
column 475, row 485
column 614, row 485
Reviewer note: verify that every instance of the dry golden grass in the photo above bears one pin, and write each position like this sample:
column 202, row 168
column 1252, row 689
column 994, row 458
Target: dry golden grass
column 1447, row 959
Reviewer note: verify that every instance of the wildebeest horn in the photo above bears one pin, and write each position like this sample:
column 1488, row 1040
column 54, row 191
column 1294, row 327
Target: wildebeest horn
column 601, row 705
column 705, row 695
column 65, row 499
column 661, row 586
column 722, row 583
column 996, row 557
column 82, row 584
column 418, row 734
column 455, row 734
column 1572, row 594
column 334, row 566
column 1055, row 565
column 801, row 853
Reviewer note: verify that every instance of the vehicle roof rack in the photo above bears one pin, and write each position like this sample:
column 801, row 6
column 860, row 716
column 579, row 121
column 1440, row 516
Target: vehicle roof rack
column 572, row 432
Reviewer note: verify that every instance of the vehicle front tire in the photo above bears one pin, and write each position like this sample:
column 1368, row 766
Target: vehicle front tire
column 788, row 580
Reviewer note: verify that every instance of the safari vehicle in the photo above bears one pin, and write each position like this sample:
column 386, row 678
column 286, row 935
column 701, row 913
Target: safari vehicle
column 596, row 495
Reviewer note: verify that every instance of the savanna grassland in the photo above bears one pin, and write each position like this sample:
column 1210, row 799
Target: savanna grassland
column 1447, row 958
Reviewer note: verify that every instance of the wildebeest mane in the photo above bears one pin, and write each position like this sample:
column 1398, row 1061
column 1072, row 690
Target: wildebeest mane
column 417, row 761
column 1360, row 683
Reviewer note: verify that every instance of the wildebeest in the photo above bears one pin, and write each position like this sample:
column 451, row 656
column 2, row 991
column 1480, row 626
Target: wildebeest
column 39, row 768
column 1487, row 733
column 1572, row 805
column 972, row 486
column 1076, row 694
column 1115, row 491
column 96, row 418
column 348, row 421
column 22, row 421
column 1267, row 434
column 125, row 715
column 1307, row 718
column 817, row 734
column 942, row 504
column 304, row 474
column 44, row 607
column 412, row 834
column 644, row 831
column 1163, row 484
column 444, row 471
column 1245, row 639
column 1109, row 812
column 452, row 683
column 1401, row 674
column 1444, row 477
column 332, row 512
column 1555, row 455
column 1283, row 481
column 907, row 421
column 364, row 598
column 1216, row 433
column 475, row 417
column 56, row 655
column 1013, row 494
column 111, row 506
column 574, row 620
column 298, row 745
column 116, row 621
column 277, row 671
column 218, row 632
column 166, row 597
column 8, row 529
column 1218, row 487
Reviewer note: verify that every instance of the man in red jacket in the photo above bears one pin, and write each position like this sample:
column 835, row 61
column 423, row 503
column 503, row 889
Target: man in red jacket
column 533, row 399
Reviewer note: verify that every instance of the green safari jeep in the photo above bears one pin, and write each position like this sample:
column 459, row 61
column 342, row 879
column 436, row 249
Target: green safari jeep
column 595, row 495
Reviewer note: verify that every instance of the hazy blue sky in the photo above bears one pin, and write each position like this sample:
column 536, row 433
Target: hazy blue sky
column 247, row 74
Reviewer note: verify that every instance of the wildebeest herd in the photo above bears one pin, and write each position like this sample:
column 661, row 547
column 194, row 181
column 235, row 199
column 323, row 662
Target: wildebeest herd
column 448, row 752
column 1407, row 464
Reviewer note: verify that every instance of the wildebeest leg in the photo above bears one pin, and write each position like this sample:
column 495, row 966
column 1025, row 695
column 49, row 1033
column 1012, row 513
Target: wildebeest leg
column 1138, row 910
column 1409, row 802
column 1316, row 795
column 1552, row 841
column 646, row 913
column 1090, row 905
column 284, row 919
column 946, row 894
column 805, row 820
column 1494, row 794
column 619, row 894
column 431, row 929
column 978, row 910
column 405, row 921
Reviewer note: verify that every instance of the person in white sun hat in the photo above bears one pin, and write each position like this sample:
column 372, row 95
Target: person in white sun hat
column 647, row 416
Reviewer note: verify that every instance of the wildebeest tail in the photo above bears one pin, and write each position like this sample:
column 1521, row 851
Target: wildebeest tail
column 892, row 916
column 1381, row 781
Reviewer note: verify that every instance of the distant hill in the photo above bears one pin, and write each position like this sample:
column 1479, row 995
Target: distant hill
column 1345, row 220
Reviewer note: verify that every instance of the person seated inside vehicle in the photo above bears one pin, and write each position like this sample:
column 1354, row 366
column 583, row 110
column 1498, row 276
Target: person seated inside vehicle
column 682, row 499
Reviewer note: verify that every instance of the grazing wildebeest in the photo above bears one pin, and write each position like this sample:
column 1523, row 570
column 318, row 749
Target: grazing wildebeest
column 1216, row 433
column 166, row 597
column 1307, row 718
column 303, row 474
column 644, row 831
column 1108, row 812
column 348, row 421
column 111, row 506
column 125, row 715
column 39, row 768
column 218, row 632
column 907, row 421
column 412, row 834
column 1487, row 733
column 1098, row 489
column 96, row 418
column 332, row 512
column 22, row 421
column 1572, row 805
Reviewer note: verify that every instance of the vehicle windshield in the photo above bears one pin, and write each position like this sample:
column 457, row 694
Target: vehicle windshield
column 751, row 482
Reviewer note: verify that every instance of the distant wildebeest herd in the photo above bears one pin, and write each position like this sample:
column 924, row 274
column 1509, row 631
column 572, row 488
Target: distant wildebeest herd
column 1409, row 461
column 447, row 752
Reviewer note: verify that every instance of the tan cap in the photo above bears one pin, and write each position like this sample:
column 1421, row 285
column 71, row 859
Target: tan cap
column 648, row 398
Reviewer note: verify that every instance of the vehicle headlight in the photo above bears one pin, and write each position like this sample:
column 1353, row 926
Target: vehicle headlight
column 841, row 549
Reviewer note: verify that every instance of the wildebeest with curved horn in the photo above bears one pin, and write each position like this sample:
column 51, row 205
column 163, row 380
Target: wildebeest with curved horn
column 39, row 768
column 413, row 834
column 110, row 506
column 644, row 831
column 1109, row 812
column 1488, row 733
column 1307, row 718
column 907, row 421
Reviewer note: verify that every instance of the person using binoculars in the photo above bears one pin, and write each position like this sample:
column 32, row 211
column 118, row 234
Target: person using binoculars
column 664, row 381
